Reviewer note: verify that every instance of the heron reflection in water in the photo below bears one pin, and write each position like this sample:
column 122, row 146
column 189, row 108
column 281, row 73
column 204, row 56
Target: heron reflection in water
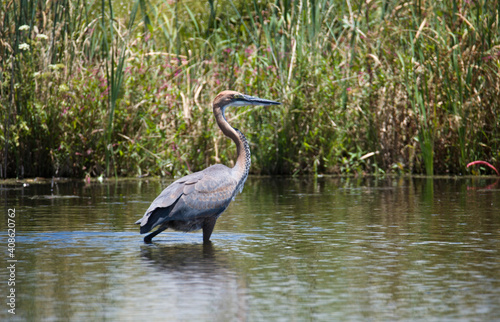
column 196, row 201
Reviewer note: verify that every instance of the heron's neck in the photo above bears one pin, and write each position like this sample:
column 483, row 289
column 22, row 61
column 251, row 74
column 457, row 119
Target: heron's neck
column 243, row 159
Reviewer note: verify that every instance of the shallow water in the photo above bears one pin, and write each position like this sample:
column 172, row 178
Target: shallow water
column 285, row 249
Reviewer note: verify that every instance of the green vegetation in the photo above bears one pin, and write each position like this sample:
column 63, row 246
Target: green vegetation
column 88, row 89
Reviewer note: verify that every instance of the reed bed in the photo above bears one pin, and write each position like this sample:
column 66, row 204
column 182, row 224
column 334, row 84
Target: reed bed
column 93, row 88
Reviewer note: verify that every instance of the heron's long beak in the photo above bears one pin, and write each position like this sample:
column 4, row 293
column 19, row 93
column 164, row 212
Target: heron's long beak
column 252, row 100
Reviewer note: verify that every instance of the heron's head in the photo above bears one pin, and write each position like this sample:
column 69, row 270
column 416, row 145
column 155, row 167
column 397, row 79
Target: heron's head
column 232, row 98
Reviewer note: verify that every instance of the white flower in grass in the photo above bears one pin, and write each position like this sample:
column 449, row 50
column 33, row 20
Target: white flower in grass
column 24, row 27
column 24, row 46
column 42, row 36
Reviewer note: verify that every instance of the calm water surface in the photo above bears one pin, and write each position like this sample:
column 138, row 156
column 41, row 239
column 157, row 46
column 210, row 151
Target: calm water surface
column 285, row 250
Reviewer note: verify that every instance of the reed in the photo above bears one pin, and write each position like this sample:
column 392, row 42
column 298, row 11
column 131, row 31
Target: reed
column 114, row 48
column 378, row 87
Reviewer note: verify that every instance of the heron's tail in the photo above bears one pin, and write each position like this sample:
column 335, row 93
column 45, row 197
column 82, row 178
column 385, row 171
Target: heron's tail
column 154, row 218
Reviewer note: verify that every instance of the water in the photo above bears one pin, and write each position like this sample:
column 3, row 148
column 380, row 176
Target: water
column 286, row 249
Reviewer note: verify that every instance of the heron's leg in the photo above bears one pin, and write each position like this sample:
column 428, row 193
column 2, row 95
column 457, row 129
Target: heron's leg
column 149, row 237
column 208, row 227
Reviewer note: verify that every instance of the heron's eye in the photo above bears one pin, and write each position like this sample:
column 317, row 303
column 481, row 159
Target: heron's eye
column 237, row 96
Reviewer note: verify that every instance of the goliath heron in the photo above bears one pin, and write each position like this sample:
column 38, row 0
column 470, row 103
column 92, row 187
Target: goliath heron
column 196, row 201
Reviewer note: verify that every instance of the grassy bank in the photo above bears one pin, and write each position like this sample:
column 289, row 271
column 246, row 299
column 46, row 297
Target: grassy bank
column 367, row 87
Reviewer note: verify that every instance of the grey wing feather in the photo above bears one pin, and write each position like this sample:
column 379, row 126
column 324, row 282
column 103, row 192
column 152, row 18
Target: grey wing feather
column 169, row 196
column 200, row 194
column 214, row 191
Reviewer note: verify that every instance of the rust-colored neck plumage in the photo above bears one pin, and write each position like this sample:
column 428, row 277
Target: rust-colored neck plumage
column 243, row 159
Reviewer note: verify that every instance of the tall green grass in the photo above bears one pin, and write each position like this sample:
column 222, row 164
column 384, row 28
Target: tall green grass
column 114, row 51
column 373, row 87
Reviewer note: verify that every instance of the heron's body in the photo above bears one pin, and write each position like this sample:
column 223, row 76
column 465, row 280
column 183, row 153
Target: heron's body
column 196, row 201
